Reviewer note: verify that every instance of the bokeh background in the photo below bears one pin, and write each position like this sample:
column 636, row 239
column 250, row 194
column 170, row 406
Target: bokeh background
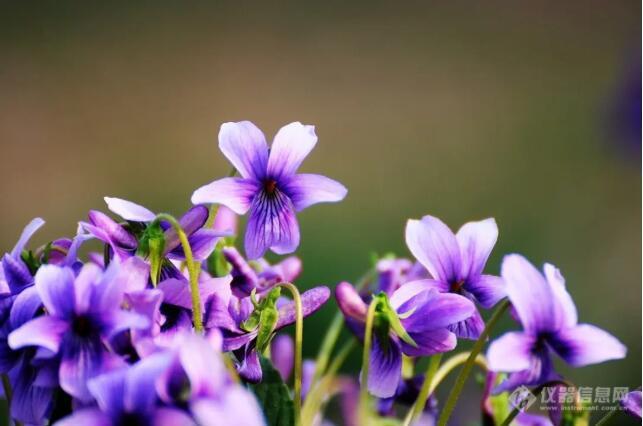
column 528, row 112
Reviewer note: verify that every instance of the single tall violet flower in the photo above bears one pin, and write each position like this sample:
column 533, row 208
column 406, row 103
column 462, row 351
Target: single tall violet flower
column 456, row 262
column 550, row 325
column 269, row 186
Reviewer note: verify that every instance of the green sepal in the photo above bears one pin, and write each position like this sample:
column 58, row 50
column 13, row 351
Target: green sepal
column 46, row 252
column 152, row 245
column 30, row 260
column 385, row 313
column 217, row 264
column 264, row 316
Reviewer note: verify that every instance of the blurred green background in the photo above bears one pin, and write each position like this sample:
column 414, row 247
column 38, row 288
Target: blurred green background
column 461, row 110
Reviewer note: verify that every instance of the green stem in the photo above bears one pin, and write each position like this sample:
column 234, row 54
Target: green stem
column 6, row 386
column 364, row 400
column 341, row 356
column 468, row 365
column 299, row 337
column 212, row 214
column 232, row 370
column 193, row 270
column 452, row 363
column 8, row 394
column 606, row 417
column 327, row 346
column 334, row 330
column 321, row 391
column 420, row 402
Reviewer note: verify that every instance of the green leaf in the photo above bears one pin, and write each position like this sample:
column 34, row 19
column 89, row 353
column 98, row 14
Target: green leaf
column 274, row 397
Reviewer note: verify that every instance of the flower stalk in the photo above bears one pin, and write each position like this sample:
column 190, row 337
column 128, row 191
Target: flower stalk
column 452, row 363
column 603, row 420
column 364, row 399
column 193, row 270
column 324, row 388
column 8, row 394
column 468, row 365
column 330, row 339
column 420, row 402
column 299, row 337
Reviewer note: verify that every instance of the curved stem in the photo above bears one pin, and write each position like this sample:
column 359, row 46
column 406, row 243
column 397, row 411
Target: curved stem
column 327, row 346
column 452, row 363
column 341, row 356
column 6, row 386
column 420, row 402
column 321, row 391
column 193, row 270
column 212, row 214
column 468, row 365
column 606, row 417
column 364, row 411
column 8, row 394
column 229, row 364
column 334, row 330
column 299, row 337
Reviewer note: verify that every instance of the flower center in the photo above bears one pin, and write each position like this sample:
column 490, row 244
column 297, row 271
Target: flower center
column 456, row 286
column 82, row 326
column 132, row 419
column 270, row 186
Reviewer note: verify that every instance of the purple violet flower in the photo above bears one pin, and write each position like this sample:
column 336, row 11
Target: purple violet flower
column 550, row 322
column 128, row 397
column 32, row 393
column 523, row 418
column 269, row 187
column 225, row 220
column 197, row 378
column 202, row 241
column 425, row 316
column 631, row 403
column 282, row 355
column 392, row 273
column 406, row 394
column 123, row 243
column 228, row 312
column 245, row 278
column 83, row 314
column 455, row 263
column 15, row 272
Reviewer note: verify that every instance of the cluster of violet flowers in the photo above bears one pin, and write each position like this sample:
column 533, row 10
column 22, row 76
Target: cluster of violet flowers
column 170, row 324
